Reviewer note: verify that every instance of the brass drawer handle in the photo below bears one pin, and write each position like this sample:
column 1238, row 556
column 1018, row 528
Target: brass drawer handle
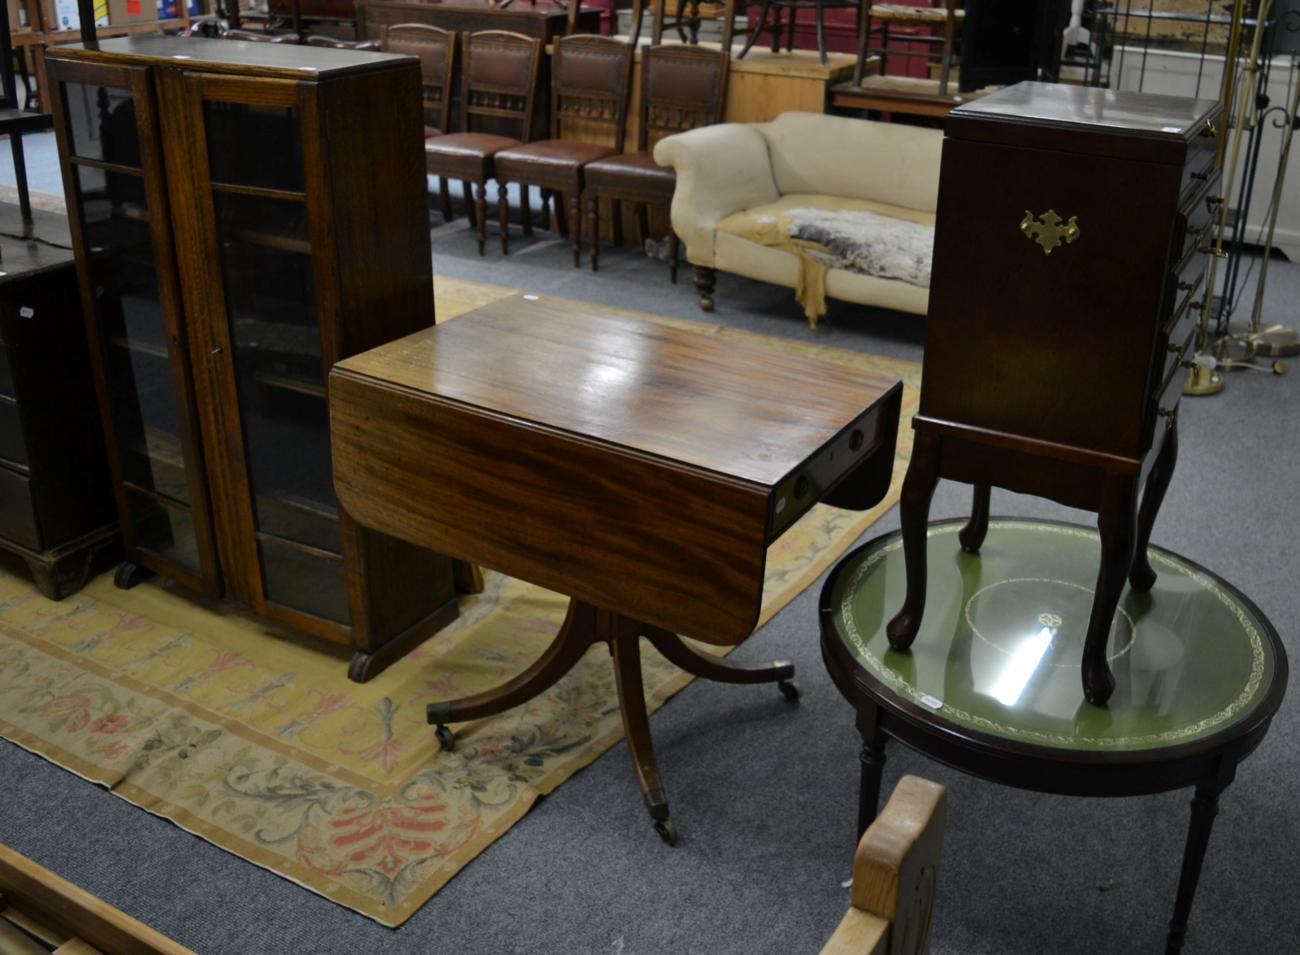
column 1213, row 202
column 1202, row 176
column 1186, row 286
column 1170, row 415
column 1209, row 130
column 1048, row 230
column 1217, row 253
column 1195, row 230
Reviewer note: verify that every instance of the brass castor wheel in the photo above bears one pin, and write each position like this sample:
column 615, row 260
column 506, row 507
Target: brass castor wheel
column 667, row 830
column 446, row 738
column 790, row 690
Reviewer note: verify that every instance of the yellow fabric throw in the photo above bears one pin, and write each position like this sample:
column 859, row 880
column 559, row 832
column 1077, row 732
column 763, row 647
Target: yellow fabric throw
column 769, row 225
column 254, row 739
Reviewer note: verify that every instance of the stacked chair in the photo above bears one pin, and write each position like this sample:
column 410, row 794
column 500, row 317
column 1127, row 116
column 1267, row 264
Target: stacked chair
column 590, row 76
column 681, row 87
column 582, row 161
column 499, row 76
column 436, row 50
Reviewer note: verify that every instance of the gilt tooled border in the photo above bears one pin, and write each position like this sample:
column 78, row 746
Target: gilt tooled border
column 1244, row 699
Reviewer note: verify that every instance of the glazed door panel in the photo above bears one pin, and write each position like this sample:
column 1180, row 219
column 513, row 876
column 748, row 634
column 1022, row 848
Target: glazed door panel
column 119, row 219
column 259, row 242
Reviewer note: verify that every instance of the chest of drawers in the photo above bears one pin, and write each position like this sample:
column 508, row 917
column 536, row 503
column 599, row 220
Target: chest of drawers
column 1067, row 281
column 56, row 504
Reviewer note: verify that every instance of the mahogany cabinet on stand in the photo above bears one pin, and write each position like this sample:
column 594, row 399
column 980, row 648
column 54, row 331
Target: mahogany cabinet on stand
column 245, row 216
column 1069, row 275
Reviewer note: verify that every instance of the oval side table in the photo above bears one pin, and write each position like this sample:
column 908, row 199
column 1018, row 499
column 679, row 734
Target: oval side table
column 991, row 685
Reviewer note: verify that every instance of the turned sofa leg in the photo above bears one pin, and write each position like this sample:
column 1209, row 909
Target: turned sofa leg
column 705, row 280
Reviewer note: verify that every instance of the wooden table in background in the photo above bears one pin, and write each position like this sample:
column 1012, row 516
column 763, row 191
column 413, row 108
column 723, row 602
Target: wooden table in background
column 639, row 469
column 547, row 21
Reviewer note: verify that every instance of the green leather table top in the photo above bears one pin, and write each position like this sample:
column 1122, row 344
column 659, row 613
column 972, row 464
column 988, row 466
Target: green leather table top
column 1000, row 644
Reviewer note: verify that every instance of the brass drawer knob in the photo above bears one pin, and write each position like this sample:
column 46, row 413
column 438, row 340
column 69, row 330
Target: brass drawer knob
column 1049, row 230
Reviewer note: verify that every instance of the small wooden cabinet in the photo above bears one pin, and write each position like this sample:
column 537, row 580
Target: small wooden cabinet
column 56, row 503
column 1069, row 273
column 245, row 216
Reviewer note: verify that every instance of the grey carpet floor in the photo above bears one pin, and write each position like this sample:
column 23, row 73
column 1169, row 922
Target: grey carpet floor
column 764, row 792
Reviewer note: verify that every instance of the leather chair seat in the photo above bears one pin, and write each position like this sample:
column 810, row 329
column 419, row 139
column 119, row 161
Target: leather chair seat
column 631, row 174
column 465, row 155
column 554, row 162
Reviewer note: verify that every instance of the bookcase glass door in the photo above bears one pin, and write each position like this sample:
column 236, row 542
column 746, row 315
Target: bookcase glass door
column 260, row 212
column 139, row 359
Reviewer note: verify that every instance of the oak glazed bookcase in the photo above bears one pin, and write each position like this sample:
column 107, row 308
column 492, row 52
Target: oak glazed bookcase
column 245, row 215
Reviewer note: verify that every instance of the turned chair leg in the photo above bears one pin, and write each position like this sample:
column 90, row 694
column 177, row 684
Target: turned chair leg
column 546, row 208
column 575, row 205
column 526, row 208
column 480, row 215
column 642, row 223
column 444, row 200
column 593, row 229
column 1143, row 577
column 705, row 280
column 673, row 246
column 561, row 219
column 467, row 194
column 971, row 536
column 1117, row 524
column 914, row 516
column 503, row 216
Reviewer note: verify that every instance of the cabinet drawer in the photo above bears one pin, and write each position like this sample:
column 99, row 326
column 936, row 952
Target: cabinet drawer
column 1202, row 158
column 1194, row 226
column 13, row 446
column 1180, row 342
column 17, row 511
column 1186, row 292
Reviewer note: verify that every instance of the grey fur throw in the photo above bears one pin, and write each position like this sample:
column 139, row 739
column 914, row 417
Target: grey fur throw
column 868, row 243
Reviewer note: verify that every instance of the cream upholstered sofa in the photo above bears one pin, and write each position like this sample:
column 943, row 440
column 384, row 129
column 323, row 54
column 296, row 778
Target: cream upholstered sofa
column 737, row 183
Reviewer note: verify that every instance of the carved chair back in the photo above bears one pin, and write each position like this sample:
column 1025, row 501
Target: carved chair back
column 436, row 50
column 499, row 79
column 682, row 87
column 590, row 80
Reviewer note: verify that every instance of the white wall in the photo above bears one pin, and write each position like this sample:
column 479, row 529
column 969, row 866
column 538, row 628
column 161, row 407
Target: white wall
column 1175, row 73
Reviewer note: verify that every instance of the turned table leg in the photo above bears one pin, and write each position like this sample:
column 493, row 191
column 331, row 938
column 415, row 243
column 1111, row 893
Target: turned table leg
column 1142, row 577
column 872, row 759
column 1205, row 806
column 914, row 516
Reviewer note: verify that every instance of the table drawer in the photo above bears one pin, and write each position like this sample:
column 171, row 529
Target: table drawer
column 799, row 491
column 17, row 511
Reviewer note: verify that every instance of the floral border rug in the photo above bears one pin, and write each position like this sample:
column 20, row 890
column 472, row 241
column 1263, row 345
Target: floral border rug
column 255, row 739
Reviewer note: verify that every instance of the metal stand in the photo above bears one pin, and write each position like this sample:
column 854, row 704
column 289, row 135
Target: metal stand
column 1275, row 341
